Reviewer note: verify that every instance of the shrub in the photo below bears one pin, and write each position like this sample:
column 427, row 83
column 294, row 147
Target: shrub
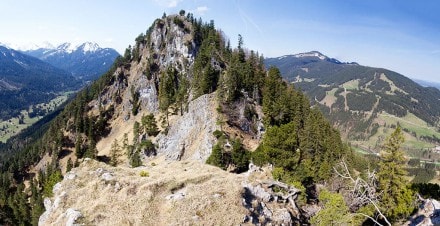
column 144, row 174
column 217, row 134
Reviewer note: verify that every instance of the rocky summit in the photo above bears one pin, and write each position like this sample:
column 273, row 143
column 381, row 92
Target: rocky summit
column 173, row 186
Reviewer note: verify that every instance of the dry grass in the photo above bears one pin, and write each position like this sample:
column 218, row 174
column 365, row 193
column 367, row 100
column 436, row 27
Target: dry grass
column 211, row 196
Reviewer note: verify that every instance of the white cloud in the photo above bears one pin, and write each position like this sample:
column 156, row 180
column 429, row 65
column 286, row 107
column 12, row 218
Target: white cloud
column 173, row 3
column 168, row 3
column 202, row 10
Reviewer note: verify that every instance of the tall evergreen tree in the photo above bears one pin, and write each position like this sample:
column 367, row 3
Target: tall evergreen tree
column 79, row 152
column 397, row 201
column 115, row 153
column 149, row 125
column 136, row 132
column 69, row 165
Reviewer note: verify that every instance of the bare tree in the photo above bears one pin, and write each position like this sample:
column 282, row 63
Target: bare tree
column 361, row 192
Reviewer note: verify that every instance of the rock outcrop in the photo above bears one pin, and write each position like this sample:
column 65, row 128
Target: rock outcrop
column 428, row 214
column 190, row 136
column 173, row 193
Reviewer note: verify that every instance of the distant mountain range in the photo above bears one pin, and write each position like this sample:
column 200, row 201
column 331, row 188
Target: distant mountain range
column 86, row 61
column 26, row 80
column 40, row 73
column 427, row 83
column 365, row 101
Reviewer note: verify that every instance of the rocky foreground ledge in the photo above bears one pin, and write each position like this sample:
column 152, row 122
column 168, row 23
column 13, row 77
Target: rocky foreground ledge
column 168, row 193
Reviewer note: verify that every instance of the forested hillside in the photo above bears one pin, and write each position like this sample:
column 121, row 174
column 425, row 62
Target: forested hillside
column 366, row 103
column 26, row 81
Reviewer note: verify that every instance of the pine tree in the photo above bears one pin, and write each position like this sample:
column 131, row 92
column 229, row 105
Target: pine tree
column 271, row 95
column 69, row 165
column 397, row 201
column 135, row 159
column 167, row 90
column 115, row 153
column 216, row 157
column 182, row 93
column 149, row 125
column 136, row 132
column 125, row 141
column 36, row 202
column 78, row 147
column 91, row 152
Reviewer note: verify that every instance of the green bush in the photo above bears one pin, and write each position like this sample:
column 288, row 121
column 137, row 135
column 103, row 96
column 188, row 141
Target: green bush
column 53, row 178
column 335, row 211
column 144, row 174
column 217, row 134
column 217, row 158
column 259, row 157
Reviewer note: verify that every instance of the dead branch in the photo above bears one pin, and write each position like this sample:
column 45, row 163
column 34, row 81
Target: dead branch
column 362, row 192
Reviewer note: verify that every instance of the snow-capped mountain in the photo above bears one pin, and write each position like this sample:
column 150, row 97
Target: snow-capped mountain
column 26, row 80
column 27, row 46
column 86, row 61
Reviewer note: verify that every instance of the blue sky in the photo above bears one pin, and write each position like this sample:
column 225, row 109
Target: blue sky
column 403, row 36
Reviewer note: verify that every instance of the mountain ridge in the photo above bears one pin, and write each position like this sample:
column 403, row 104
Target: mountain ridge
column 25, row 81
column 86, row 61
column 354, row 97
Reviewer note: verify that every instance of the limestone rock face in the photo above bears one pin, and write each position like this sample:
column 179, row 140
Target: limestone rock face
column 166, row 45
column 171, row 44
column 190, row 136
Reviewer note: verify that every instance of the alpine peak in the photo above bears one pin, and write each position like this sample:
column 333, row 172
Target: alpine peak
column 311, row 54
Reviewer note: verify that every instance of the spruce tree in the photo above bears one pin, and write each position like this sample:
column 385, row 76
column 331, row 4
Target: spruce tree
column 79, row 152
column 149, row 125
column 136, row 133
column 69, row 165
column 115, row 153
column 397, row 201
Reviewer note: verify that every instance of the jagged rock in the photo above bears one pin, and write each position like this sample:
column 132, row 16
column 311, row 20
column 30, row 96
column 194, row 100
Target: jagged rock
column 56, row 187
column 47, row 203
column 428, row 214
column 117, row 187
column 107, row 176
column 70, row 175
column 52, row 207
column 282, row 216
column 48, row 206
column 266, row 203
column 58, row 200
column 259, row 192
column 310, row 210
column 176, row 196
column 266, row 211
column 253, row 168
column 72, row 216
